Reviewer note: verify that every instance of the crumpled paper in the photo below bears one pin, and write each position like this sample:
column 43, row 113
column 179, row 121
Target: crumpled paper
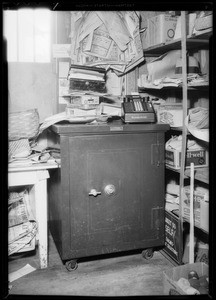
column 199, row 117
column 175, row 142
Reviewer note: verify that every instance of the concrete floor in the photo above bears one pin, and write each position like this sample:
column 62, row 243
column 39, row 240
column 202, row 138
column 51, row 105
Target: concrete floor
column 115, row 275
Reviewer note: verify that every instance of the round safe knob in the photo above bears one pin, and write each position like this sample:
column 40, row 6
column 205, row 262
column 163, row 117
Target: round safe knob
column 110, row 189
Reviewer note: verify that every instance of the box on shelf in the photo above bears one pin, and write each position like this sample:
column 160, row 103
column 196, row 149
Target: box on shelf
column 199, row 157
column 170, row 113
column 201, row 209
column 172, row 239
column 160, row 29
column 171, row 276
column 85, row 99
column 190, row 19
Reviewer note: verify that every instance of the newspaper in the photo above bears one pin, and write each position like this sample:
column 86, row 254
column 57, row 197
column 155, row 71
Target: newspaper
column 19, row 210
column 22, row 227
column 116, row 27
column 135, row 46
column 89, row 23
column 106, row 38
column 21, row 235
column 98, row 43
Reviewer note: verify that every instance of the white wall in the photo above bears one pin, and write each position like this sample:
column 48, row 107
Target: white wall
column 32, row 85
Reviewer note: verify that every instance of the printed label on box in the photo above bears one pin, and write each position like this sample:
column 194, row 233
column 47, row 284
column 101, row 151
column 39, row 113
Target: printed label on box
column 171, row 236
column 201, row 208
column 170, row 158
column 161, row 28
column 198, row 157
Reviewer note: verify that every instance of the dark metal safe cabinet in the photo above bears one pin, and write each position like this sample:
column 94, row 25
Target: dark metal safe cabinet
column 108, row 195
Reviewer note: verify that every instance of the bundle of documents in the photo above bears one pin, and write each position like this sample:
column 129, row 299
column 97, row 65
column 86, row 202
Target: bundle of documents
column 21, row 222
column 110, row 39
column 88, row 73
column 24, row 237
column 175, row 143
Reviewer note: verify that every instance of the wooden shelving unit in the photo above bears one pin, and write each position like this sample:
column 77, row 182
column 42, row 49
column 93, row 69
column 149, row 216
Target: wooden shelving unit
column 185, row 43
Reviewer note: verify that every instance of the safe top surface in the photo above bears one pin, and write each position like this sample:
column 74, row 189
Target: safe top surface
column 115, row 126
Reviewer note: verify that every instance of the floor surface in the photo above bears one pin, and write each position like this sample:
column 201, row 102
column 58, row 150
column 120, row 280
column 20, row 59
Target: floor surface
column 115, row 275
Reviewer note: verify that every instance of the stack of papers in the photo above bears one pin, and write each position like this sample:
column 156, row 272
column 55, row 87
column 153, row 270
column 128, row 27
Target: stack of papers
column 110, row 39
column 192, row 81
column 22, row 225
column 86, row 73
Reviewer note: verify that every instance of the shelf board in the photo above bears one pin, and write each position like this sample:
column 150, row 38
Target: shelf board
column 180, row 129
column 201, row 174
column 196, row 87
column 193, row 42
column 190, row 87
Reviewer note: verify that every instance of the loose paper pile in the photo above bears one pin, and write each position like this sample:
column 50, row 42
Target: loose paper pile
column 109, row 39
column 21, row 222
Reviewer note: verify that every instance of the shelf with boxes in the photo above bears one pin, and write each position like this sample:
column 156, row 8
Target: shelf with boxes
column 177, row 238
column 194, row 86
column 173, row 240
column 192, row 42
column 185, row 93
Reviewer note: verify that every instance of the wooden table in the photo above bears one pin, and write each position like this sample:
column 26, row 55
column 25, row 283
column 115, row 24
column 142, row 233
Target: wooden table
column 36, row 176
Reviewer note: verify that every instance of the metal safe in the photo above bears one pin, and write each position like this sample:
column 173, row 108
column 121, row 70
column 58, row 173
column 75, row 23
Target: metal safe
column 108, row 194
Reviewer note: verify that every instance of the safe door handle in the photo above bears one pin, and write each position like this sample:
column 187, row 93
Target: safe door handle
column 94, row 192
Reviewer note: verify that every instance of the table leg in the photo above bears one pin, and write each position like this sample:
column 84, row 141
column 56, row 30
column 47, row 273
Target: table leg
column 41, row 217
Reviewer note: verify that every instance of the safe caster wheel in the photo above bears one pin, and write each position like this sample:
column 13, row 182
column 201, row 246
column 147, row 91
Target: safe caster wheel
column 147, row 253
column 71, row 265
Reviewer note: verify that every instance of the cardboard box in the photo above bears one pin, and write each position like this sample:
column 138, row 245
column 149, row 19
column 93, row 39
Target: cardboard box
column 160, row 29
column 172, row 240
column 171, row 114
column 190, row 19
column 199, row 157
column 201, row 209
column 171, row 276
